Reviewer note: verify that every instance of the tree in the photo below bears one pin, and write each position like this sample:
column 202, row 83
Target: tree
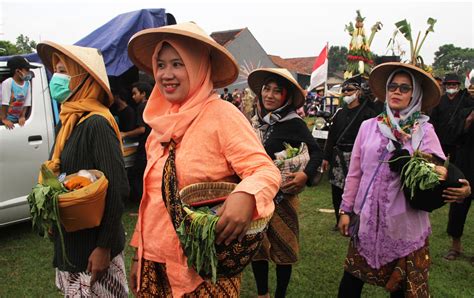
column 337, row 58
column 7, row 48
column 25, row 45
column 450, row 58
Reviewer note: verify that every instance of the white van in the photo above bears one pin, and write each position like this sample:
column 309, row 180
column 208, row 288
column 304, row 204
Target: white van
column 23, row 149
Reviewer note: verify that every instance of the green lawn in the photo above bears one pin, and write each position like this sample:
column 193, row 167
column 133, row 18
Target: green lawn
column 25, row 259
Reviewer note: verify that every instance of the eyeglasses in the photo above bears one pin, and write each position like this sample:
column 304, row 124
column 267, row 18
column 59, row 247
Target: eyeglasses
column 348, row 90
column 404, row 88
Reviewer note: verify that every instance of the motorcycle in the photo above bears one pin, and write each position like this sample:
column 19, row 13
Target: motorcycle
column 323, row 121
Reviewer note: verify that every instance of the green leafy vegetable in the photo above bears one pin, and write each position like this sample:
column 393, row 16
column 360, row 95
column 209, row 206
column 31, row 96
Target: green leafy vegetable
column 419, row 173
column 198, row 240
column 44, row 207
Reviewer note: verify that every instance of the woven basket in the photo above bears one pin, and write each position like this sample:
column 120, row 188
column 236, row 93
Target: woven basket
column 83, row 208
column 232, row 258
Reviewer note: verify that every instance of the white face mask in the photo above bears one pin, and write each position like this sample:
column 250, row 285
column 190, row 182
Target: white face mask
column 349, row 99
column 451, row 90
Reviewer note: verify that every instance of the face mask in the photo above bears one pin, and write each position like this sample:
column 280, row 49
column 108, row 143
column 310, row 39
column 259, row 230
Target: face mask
column 451, row 90
column 27, row 77
column 59, row 87
column 349, row 99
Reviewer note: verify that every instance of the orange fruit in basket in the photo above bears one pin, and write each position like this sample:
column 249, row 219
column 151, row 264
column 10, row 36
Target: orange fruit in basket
column 77, row 182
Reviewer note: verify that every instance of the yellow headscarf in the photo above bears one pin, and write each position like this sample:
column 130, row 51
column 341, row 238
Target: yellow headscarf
column 89, row 98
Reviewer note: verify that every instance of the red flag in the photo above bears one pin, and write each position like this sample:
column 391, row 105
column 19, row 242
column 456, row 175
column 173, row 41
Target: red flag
column 320, row 69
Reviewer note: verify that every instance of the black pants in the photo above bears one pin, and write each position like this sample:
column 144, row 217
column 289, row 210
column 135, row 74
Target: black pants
column 457, row 217
column 135, row 177
column 336, row 200
column 260, row 272
column 351, row 287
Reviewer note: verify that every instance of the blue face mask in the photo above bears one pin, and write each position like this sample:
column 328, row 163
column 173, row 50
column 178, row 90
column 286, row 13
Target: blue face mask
column 27, row 77
column 59, row 87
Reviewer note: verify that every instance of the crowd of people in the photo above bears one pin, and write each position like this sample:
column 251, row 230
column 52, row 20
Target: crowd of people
column 243, row 99
column 188, row 134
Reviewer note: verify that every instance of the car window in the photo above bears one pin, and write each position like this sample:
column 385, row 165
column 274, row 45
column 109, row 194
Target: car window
column 5, row 74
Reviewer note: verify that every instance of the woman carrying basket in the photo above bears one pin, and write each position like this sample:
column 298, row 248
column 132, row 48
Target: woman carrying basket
column 195, row 137
column 277, row 123
column 389, row 246
column 88, row 138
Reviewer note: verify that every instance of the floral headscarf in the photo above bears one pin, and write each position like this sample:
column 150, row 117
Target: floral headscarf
column 403, row 126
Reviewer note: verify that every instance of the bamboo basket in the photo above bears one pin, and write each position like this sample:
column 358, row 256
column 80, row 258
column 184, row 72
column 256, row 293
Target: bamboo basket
column 232, row 258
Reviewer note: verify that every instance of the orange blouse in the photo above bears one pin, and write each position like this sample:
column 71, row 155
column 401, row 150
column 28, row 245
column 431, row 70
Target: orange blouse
column 219, row 143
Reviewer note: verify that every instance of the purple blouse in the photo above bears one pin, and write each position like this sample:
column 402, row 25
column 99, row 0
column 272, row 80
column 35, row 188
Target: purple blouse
column 389, row 227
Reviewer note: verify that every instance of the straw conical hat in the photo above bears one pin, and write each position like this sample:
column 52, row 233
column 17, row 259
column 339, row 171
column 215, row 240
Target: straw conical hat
column 88, row 58
column 142, row 45
column 379, row 76
column 257, row 78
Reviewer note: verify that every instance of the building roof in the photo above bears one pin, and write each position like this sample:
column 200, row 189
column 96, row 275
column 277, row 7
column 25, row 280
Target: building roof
column 302, row 65
column 224, row 37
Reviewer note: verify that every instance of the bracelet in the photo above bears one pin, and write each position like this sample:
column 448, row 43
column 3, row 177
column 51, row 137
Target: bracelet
column 342, row 212
column 134, row 259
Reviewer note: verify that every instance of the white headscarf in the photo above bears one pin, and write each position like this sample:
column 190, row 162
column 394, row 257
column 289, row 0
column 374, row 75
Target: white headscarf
column 413, row 107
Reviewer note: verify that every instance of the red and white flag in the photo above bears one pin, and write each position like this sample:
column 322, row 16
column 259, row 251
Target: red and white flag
column 319, row 74
column 469, row 79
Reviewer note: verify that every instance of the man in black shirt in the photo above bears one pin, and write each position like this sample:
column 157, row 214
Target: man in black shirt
column 452, row 118
column 140, row 93
column 342, row 134
column 448, row 118
column 125, row 114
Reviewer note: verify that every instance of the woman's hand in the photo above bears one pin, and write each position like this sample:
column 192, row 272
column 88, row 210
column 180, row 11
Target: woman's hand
column 343, row 225
column 457, row 194
column 134, row 275
column 296, row 182
column 325, row 165
column 235, row 217
column 99, row 262
column 442, row 172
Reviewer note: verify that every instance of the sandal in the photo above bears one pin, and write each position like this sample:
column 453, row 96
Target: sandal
column 452, row 255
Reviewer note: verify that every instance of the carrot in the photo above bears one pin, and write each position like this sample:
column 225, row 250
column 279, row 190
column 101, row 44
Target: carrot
column 77, row 182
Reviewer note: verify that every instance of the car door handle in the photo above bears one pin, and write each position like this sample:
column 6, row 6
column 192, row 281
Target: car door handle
column 34, row 138
column 35, row 141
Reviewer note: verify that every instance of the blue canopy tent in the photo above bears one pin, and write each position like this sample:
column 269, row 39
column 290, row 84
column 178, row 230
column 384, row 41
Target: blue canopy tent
column 112, row 37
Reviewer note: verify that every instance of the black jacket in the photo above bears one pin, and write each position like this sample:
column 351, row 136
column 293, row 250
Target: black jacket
column 294, row 132
column 340, row 121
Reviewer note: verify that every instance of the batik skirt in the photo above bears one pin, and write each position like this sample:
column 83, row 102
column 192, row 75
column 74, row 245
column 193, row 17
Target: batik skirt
column 409, row 273
column 112, row 284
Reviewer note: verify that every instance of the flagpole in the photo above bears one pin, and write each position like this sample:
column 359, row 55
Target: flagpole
column 327, row 74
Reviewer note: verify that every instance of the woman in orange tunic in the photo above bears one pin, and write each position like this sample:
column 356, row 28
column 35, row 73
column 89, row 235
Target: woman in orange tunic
column 195, row 137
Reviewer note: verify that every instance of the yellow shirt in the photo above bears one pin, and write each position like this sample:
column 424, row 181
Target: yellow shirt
column 219, row 143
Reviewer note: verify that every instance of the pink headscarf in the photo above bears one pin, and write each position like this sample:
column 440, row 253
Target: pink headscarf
column 168, row 120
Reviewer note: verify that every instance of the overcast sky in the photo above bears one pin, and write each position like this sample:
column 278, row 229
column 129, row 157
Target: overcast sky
column 290, row 28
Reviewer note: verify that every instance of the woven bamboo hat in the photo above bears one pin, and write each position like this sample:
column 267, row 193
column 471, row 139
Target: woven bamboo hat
column 379, row 76
column 257, row 78
column 142, row 45
column 88, row 58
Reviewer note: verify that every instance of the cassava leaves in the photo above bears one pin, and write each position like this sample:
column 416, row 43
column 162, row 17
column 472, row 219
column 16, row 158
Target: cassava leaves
column 418, row 173
column 44, row 207
column 198, row 240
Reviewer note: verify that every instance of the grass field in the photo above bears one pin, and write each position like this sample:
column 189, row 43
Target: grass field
column 26, row 271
